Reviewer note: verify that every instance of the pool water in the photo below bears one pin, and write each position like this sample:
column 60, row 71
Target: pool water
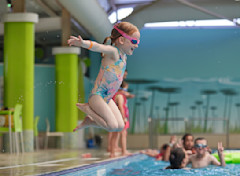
column 142, row 165
column 148, row 166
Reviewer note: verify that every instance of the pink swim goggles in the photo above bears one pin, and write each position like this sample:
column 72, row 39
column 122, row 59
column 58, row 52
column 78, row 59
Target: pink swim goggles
column 133, row 40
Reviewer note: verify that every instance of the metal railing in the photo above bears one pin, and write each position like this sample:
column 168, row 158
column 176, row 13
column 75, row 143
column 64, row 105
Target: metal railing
column 187, row 127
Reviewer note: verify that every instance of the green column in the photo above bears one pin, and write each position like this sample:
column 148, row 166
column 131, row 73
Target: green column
column 19, row 68
column 67, row 93
column 81, row 90
column 66, row 88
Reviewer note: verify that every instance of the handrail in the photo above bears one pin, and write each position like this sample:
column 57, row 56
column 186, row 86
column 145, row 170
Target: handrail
column 185, row 121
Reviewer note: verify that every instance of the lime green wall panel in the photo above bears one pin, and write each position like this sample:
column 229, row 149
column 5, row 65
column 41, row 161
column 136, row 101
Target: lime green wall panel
column 19, row 68
column 66, row 92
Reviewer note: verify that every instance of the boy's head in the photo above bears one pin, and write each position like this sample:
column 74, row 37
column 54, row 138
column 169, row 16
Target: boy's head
column 177, row 158
column 188, row 141
column 200, row 145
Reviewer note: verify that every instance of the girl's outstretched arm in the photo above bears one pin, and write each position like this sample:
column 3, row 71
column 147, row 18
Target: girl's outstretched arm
column 93, row 46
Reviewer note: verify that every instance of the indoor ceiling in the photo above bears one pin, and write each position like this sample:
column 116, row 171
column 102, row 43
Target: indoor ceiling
column 144, row 11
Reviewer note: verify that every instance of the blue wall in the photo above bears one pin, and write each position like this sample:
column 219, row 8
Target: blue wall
column 44, row 95
column 181, row 53
column 192, row 59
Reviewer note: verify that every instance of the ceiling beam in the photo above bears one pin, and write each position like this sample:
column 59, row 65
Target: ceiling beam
column 18, row 6
column 46, row 8
column 185, row 2
column 96, row 23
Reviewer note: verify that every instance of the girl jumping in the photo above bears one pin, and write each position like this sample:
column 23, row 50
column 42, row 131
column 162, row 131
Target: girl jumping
column 101, row 110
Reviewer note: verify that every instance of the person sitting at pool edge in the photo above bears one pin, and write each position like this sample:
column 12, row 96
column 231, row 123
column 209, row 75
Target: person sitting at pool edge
column 202, row 158
column 178, row 159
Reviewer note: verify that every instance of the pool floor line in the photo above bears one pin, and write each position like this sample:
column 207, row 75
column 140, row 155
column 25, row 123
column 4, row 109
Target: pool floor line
column 87, row 166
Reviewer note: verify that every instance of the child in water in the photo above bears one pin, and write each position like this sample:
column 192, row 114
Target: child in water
column 202, row 158
column 177, row 158
column 101, row 110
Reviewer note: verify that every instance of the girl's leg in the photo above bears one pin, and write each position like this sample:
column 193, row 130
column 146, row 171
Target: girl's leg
column 104, row 110
column 117, row 148
column 113, row 144
column 109, row 141
column 110, row 138
column 102, row 114
column 92, row 115
column 119, row 119
column 117, row 114
column 124, row 142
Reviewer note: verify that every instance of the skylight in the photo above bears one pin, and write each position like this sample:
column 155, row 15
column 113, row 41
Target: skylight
column 195, row 23
column 122, row 13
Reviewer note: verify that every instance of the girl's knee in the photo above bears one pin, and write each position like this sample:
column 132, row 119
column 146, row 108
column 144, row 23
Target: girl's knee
column 121, row 126
column 113, row 127
column 93, row 99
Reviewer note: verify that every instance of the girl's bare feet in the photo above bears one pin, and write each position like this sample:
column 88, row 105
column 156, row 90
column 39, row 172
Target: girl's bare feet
column 84, row 107
column 126, row 153
column 87, row 122
column 118, row 149
column 112, row 155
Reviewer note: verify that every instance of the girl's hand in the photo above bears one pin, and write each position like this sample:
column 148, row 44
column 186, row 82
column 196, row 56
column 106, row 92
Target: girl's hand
column 220, row 154
column 75, row 41
column 220, row 148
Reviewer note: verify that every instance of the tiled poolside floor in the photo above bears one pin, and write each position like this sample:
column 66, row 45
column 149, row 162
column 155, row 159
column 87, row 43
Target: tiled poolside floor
column 46, row 161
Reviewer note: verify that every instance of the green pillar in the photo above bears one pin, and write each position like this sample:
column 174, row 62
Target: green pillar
column 19, row 68
column 81, row 90
column 67, row 91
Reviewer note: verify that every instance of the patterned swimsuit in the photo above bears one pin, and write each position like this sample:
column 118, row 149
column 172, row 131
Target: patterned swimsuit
column 109, row 79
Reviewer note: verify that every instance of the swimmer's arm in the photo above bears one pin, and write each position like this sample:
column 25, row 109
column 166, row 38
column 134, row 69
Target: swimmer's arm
column 166, row 155
column 129, row 95
column 214, row 161
column 151, row 154
column 220, row 154
column 93, row 46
